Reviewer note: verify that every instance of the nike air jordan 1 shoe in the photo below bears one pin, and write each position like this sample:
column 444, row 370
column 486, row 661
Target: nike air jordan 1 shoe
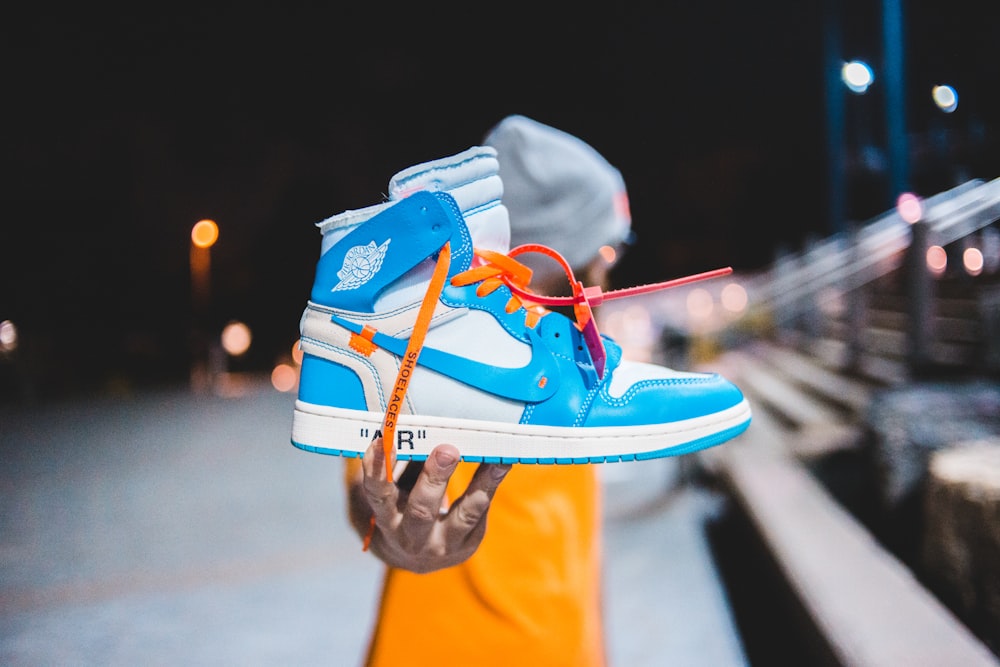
column 422, row 328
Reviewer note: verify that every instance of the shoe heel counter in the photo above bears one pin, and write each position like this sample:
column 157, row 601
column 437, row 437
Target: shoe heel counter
column 324, row 382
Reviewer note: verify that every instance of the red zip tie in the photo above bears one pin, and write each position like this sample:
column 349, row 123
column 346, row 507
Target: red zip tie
column 596, row 296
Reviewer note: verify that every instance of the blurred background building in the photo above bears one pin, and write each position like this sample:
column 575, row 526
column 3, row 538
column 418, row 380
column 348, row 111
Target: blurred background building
column 733, row 128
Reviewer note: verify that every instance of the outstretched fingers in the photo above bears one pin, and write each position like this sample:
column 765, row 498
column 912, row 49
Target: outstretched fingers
column 382, row 494
column 410, row 528
column 465, row 523
column 423, row 506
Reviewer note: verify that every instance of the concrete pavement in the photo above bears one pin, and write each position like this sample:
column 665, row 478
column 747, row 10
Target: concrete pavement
column 175, row 528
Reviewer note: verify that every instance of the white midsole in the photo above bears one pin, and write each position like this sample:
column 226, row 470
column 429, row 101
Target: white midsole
column 351, row 431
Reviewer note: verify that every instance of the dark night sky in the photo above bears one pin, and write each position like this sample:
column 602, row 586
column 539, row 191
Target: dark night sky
column 123, row 127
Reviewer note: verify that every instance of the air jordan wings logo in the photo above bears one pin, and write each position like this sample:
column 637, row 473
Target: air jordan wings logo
column 361, row 263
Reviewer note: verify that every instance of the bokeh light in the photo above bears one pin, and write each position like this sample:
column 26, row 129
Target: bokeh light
column 236, row 338
column 937, row 259
column 608, row 254
column 204, row 234
column 945, row 97
column 857, row 76
column 734, row 298
column 909, row 207
column 700, row 304
column 297, row 353
column 972, row 259
column 284, row 377
column 632, row 327
column 638, row 323
column 8, row 336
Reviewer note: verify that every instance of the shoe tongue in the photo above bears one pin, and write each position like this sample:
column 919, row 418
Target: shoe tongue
column 472, row 177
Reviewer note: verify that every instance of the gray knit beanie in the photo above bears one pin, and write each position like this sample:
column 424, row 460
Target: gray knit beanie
column 560, row 192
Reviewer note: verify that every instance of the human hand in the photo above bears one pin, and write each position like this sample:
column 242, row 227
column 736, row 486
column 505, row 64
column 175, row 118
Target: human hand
column 415, row 530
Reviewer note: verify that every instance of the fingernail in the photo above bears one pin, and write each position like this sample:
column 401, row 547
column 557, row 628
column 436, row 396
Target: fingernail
column 498, row 471
column 445, row 458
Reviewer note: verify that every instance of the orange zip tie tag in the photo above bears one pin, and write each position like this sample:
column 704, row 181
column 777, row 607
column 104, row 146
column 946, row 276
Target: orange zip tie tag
column 362, row 342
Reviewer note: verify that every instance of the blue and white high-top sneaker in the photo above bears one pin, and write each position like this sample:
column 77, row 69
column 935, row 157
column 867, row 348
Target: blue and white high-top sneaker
column 496, row 376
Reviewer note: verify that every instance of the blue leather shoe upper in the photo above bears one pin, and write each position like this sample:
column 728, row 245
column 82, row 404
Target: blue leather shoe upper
column 559, row 386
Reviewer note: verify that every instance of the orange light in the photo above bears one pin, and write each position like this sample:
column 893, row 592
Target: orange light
column 972, row 258
column 297, row 353
column 937, row 259
column 284, row 378
column 608, row 254
column 236, row 338
column 205, row 233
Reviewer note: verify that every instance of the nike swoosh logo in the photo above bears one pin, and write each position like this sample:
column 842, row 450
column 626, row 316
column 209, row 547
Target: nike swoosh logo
column 531, row 383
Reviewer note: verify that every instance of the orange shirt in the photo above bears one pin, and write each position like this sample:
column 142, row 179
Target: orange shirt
column 529, row 596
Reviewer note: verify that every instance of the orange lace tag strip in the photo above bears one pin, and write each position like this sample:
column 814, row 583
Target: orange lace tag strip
column 367, row 542
column 406, row 367
column 362, row 342
column 409, row 361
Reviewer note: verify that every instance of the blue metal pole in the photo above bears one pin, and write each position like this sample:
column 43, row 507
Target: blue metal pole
column 834, row 94
column 895, row 97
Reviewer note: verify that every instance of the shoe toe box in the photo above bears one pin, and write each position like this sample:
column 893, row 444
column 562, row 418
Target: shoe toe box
column 648, row 394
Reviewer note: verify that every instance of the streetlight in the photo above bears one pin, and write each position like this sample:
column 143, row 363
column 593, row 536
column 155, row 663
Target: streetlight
column 204, row 234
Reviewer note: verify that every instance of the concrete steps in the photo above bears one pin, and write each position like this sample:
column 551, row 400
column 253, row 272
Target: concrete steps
column 864, row 606
column 817, row 406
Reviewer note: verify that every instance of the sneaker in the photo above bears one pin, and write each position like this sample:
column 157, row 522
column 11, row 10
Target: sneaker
column 423, row 329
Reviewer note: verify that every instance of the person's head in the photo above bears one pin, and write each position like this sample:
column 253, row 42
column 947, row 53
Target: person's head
column 562, row 193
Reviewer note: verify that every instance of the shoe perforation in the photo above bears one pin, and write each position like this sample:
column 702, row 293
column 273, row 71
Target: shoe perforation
column 588, row 402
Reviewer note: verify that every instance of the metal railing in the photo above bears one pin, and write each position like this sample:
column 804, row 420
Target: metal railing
column 848, row 261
